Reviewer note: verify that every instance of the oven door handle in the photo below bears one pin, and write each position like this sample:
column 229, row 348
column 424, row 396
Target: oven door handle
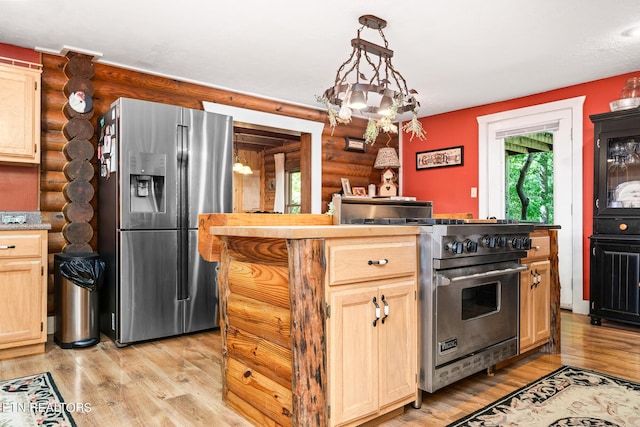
column 444, row 281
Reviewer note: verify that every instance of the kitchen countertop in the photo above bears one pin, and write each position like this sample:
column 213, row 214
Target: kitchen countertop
column 323, row 231
column 33, row 221
column 312, row 231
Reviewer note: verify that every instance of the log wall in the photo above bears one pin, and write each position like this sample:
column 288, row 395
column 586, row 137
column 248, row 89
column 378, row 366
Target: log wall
column 110, row 83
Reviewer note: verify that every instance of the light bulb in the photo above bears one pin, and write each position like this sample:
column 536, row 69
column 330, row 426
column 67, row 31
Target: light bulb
column 385, row 106
column 357, row 101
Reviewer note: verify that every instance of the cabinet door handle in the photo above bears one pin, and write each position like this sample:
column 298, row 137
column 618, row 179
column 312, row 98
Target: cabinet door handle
column 537, row 278
column 375, row 321
column 534, row 281
column 378, row 262
column 8, row 247
column 386, row 309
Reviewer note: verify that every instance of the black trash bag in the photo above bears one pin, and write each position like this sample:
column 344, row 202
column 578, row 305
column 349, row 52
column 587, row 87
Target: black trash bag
column 86, row 273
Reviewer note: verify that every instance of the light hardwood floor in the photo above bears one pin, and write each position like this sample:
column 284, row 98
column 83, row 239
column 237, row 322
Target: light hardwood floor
column 177, row 381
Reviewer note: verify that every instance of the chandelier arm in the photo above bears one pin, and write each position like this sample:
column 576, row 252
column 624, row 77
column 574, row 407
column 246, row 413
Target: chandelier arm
column 387, row 63
column 375, row 68
column 342, row 80
column 344, row 64
column 398, row 77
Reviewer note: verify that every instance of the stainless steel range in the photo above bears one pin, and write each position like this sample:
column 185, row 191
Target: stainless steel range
column 469, row 283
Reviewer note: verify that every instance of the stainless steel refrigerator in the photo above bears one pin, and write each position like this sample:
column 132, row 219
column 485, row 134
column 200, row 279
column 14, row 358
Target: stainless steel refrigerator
column 160, row 166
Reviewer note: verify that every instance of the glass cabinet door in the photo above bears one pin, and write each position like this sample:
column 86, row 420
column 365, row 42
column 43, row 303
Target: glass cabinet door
column 622, row 173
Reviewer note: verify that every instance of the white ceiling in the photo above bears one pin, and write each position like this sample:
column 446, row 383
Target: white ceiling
column 455, row 53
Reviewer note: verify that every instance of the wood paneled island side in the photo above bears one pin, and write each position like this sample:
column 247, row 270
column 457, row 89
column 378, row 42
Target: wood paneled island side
column 274, row 287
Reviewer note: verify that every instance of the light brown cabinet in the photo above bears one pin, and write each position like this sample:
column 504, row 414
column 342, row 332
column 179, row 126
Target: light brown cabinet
column 535, row 294
column 19, row 114
column 371, row 327
column 23, row 286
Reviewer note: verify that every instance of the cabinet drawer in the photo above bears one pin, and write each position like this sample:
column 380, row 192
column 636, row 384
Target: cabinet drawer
column 20, row 245
column 539, row 247
column 357, row 260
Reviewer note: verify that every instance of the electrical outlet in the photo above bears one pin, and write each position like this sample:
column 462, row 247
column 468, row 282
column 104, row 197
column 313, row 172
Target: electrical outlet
column 474, row 192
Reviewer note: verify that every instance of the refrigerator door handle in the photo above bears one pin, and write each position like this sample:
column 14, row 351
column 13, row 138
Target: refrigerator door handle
column 183, row 212
column 183, row 176
column 183, row 148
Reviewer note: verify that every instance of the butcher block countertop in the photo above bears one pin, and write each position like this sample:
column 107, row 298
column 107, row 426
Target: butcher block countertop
column 281, row 226
column 313, row 231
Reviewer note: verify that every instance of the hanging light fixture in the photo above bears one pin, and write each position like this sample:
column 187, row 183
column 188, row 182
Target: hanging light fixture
column 237, row 166
column 240, row 167
column 368, row 83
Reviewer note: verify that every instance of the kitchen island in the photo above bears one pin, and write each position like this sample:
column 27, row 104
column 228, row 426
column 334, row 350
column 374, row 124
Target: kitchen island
column 319, row 323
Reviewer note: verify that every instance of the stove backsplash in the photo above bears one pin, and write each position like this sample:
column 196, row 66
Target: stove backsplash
column 349, row 208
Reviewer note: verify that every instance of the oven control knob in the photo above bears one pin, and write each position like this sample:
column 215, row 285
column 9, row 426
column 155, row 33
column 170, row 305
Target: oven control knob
column 455, row 247
column 489, row 241
column 516, row 243
column 501, row 241
column 526, row 243
column 471, row 246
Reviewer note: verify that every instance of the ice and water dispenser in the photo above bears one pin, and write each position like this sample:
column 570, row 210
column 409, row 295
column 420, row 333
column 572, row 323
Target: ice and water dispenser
column 147, row 182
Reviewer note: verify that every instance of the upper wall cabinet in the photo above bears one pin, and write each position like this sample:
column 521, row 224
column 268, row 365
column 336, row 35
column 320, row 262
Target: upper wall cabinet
column 20, row 114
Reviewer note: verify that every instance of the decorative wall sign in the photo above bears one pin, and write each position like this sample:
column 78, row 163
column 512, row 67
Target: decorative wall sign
column 355, row 144
column 440, row 158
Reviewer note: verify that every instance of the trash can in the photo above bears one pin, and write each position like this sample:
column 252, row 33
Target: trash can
column 77, row 279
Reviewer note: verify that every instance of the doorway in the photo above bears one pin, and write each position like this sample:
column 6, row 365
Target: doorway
column 564, row 119
column 313, row 129
column 255, row 147
column 529, row 185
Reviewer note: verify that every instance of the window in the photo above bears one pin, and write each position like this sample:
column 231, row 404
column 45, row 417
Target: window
column 293, row 193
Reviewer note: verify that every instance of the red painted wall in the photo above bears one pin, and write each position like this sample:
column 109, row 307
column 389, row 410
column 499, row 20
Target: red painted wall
column 15, row 52
column 450, row 188
column 19, row 184
column 19, row 188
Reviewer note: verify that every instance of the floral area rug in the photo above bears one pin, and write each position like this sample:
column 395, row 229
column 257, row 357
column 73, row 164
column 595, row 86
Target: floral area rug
column 33, row 401
column 567, row 397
